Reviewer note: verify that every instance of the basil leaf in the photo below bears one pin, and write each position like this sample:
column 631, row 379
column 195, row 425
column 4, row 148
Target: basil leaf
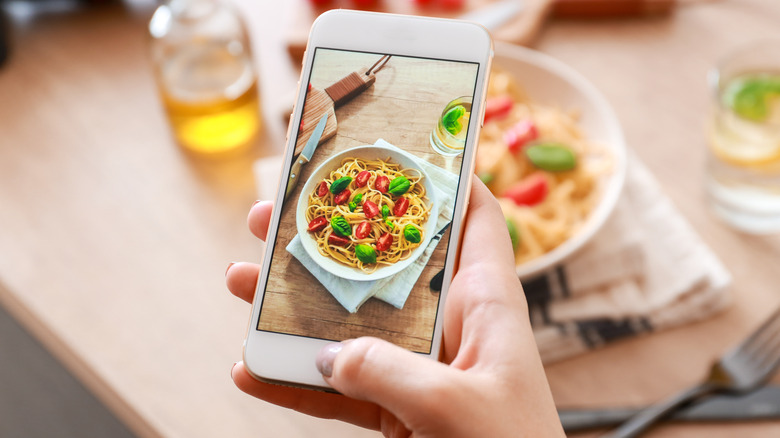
column 365, row 253
column 399, row 186
column 390, row 224
column 340, row 184
column 451, row 119
column 352, row 206
column 514, row 234
column 358, row 198
column 412, row 234
column 486, row 177
column 385, row 211
column 341, row 226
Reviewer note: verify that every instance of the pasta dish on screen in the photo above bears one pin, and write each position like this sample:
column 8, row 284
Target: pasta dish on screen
column 368, row 213
column 536, row 160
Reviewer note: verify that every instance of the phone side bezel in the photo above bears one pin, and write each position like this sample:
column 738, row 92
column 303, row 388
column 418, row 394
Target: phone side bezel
column 289, row 359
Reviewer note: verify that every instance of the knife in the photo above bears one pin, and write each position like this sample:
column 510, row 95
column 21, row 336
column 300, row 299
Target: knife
column 761, row 404
column 306, row 153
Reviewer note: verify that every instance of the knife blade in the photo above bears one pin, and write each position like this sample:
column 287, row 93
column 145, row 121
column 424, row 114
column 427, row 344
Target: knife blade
column 761, row 404
column 306, row 153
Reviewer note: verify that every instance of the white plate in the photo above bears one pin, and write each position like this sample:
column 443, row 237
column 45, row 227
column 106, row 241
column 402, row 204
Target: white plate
column 407, row 161
column 550, row 82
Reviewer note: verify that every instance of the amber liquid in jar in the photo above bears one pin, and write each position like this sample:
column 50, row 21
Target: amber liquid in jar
column 210, row 95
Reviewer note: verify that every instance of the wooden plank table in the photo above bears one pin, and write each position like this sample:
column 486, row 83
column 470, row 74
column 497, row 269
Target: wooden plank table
column 402, row 107
column 114, row 242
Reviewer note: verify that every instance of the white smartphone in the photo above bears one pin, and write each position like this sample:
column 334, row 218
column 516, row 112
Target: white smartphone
column 366, row 228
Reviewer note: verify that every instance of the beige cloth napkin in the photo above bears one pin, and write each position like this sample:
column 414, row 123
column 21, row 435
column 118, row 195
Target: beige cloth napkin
column 645, row 270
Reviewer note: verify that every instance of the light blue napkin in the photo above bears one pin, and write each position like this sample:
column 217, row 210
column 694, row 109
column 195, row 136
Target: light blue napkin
column 395, row 289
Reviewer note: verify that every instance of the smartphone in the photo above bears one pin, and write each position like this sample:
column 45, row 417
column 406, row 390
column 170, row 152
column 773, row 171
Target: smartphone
column 365, row 233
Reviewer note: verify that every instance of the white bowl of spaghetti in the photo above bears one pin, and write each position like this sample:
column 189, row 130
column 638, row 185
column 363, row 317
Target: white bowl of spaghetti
column 386, row 225
column 552, row 152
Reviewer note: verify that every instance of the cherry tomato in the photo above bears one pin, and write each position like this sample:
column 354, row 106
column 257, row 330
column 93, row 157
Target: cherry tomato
column 384, row 242
column 382, row 183
column 362, row 230
column 520, row 134
column 322, row 189
column 317, row 224
column 498, row 107
column 338, row 240
column 342, row 197
column 401, row 205
column 370, row 209
column 529, row 191
column 362, row 178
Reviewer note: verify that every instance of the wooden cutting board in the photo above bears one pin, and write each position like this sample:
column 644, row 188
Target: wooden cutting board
column 318, row 102
column 520, row 30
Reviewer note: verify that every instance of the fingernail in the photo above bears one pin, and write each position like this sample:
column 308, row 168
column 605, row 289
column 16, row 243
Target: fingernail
column 228, row 268
column 326, row 356
column 254, row 203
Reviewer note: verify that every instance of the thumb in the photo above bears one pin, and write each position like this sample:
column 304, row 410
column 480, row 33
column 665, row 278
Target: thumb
column 407, row 384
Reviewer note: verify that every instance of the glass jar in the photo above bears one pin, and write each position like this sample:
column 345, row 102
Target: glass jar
column 205, row 74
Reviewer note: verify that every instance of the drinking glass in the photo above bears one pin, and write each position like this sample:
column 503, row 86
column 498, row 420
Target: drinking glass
column 449, row 135
column 743, row 164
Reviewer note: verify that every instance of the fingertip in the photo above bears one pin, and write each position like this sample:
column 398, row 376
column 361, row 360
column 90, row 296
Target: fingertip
column 241, row 280
column 259, row 218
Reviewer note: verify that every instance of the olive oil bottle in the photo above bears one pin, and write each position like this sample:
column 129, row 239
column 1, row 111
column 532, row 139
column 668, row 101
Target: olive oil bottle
column 206, row 77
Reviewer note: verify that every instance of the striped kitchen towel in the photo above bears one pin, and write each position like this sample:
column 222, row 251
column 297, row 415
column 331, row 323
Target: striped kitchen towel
column 646, row 270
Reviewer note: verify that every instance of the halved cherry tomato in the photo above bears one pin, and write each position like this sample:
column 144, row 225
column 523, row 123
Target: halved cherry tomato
column 401, row 205
column 338, row 240
column 382, row 183
column 342, row 197
column 520, row 134
column 498, row 107
column 384, row 242
column 362, row 178
column 370, row 209
column 322, row 189
column 529, row 191
column 362, row 230
column 318, row 223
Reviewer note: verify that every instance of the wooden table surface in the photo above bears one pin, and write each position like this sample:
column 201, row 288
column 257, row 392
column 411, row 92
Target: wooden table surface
column 114, row 241
column 401, row 107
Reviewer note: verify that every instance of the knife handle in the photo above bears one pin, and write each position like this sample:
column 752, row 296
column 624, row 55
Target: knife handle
column 295, row 175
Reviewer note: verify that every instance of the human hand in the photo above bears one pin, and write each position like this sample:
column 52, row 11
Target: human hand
column 491, row 383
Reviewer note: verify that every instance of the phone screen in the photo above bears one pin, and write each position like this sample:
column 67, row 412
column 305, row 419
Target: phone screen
column 365, row 225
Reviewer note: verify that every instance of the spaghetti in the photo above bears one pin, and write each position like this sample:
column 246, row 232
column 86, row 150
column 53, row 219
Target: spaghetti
column 384, row 210
column 536, row 160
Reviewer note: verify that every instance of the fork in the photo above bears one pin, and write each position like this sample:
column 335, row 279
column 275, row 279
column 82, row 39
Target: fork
column 745, row 367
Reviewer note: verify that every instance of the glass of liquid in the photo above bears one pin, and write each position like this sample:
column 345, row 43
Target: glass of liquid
column 743, row 166
column 449, row 135
column 206, row 77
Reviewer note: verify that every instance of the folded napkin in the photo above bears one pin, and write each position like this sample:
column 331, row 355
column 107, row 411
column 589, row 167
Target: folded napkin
column 394, row 289
column 645, row 270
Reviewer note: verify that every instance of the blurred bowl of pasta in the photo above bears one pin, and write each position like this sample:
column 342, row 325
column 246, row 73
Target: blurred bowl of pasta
column 392, row 238
column 552, row 152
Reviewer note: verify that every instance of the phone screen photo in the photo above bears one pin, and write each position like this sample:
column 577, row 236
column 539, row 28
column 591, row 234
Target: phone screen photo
column 365, row 223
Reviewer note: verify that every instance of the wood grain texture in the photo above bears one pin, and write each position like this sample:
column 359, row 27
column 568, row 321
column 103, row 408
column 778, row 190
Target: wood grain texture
column 402, row 107
column 114, row 242
column 317, row 103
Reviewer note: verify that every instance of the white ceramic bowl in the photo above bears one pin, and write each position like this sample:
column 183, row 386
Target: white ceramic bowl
column 550, row 82
column 339, row 269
